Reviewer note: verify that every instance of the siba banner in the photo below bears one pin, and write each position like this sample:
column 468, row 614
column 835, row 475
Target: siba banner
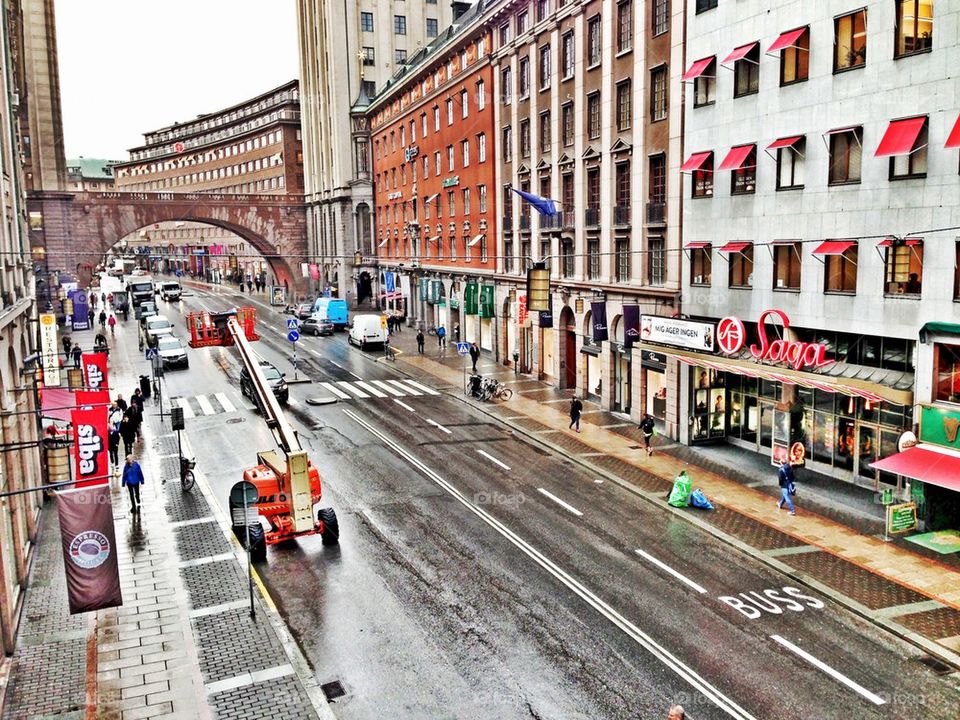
column 95, row 371
column 89, row 548
column 90, row 440
column 87, row 399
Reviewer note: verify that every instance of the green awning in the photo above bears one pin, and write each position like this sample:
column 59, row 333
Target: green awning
column 470, row 297
column 424, row 283
column 939, row 328
column 486, row 301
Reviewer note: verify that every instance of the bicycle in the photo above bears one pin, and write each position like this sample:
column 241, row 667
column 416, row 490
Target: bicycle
column 432, row 331
column 187, row 479
column 390, row 354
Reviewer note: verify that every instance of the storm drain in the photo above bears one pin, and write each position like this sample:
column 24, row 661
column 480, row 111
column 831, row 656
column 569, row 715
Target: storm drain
column 938, row 666
column 333, row 690
column 234, row 421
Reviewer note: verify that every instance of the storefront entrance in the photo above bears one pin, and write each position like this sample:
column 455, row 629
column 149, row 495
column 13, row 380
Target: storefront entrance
column 621, row 381
column 568, row 341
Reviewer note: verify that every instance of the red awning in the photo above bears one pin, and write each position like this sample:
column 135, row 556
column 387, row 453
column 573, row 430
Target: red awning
column 695, row 161
column 736, row 158
column 733, row 247
column 900, row 137
column 909, row 242
column 787, row 39
column 922, row 463
column 57, row 403
column 740, row 53
column 954, row 139
column 785, row 142
column 834, row 247
column 696, row 245
column 698, row 68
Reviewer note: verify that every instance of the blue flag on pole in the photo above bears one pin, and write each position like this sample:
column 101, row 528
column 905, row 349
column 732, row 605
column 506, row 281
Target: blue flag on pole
column 544, row 206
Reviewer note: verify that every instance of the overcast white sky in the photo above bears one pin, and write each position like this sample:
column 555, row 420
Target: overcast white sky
column 131, row 66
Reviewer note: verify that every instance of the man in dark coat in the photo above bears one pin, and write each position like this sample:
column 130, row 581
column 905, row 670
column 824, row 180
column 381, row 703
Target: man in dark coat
column 576, row 407
column 474, row 355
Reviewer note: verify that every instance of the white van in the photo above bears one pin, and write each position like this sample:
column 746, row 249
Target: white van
column 367, row 330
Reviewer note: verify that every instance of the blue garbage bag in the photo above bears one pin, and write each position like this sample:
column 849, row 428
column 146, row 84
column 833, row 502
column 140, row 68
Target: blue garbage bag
column 699, row 500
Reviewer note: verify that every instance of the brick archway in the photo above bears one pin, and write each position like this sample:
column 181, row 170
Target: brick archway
column 79, row 228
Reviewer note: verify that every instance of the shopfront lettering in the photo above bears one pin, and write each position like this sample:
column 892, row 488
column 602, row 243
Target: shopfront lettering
column 732, row 337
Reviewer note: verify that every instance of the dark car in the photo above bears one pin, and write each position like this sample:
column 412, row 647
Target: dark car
column 314, row 325
column 304, row 310
column 274, row 380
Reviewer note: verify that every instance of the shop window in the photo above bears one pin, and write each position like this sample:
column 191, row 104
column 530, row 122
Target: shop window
column 624, row 105
column 846, row 153
column 743, row 180
column 903, row 269
column 624, row 26
column 703, row 179
column 795, row 60
column 790, row 165
column 947, row 363
column 914, row 163
column 914, row 31
column 741, row 268
column 850, row 41
column 710, row 404
column 840, row 272
column 658, row 93
column 701, row 265
column 786, row 266
column 746, row 73
column 593, row 42
column 705, row 86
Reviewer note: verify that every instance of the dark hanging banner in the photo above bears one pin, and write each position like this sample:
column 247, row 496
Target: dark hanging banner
column 546, row 316
column 89, row 548
column 631, row 325
column 598, row 314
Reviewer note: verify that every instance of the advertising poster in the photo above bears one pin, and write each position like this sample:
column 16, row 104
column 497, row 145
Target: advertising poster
column 94, row 371
column 679, row 333
column 90, row 458
column 49, row 350
column 79, row 317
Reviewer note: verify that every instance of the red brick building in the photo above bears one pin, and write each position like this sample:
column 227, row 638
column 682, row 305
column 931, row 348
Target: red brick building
column 432, row 137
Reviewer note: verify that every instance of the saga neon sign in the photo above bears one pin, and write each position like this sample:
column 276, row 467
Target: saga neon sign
column 731, row 337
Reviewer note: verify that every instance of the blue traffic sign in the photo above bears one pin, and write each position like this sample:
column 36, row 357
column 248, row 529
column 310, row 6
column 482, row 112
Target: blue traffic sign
column 292, row 323
column 151, row 353
column 293, row 336
column 463, row 348
column 179, row 273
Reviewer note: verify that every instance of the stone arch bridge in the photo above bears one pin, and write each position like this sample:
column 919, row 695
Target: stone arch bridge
column 78, row 229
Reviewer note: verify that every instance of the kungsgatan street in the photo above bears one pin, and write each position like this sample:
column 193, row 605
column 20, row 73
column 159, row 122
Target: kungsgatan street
column 481, row 573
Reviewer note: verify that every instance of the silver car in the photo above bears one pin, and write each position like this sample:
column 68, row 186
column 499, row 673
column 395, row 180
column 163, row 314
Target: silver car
column 172, row 352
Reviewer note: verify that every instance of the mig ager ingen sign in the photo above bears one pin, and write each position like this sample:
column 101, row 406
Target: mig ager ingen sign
column 679, row 333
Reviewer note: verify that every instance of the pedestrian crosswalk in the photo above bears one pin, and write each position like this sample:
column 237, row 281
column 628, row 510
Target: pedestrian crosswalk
column 369, row 389
column 200, row 405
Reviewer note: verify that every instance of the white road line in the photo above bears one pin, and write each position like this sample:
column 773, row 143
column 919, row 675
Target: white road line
column 225, row 401
column 205, row 405
column 370, row 389
column 408, row 390
column 355, row 375
column 389, row 388
column 427, row 390
column 683, row 671
column 439, row 426
column 666, row 568
column 187, row 410
column 404, row 405
column 491, row 457
column 336, row 391
column 839, row 677
column 560, row 502
column 351, row 388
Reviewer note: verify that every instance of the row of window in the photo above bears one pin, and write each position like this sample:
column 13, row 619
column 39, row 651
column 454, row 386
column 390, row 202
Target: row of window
column 233, row 150
column 397, row 177
column 845, row 149
column 902, row 261
column 399, row 23
column 438, row 248
column 407, row 211
column 913, row 34
column 273, row 183
column 462, row 99
column 250, row 166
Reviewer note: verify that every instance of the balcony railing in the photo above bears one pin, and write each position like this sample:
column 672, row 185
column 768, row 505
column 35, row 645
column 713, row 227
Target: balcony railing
column 524, row 222
column 550, row 222
column 591, row 217
column 568, row 219
column 621, row 215
column 656, row 213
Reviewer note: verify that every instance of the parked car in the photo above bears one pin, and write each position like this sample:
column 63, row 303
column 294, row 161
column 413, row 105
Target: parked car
column 316, row 325
column 173, row 353
column 367, row 330
column 274, row 379
column 170, row 291
column 145, row 310
column 304, row 310
column 156, row 327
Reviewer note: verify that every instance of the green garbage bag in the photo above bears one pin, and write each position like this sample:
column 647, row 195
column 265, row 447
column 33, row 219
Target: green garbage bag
column 680, row 494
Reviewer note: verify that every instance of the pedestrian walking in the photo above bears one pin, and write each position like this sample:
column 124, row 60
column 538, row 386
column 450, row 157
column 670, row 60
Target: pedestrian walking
column 576, row 408
column 474, row 355
column 646, row 427
column 390, row 322
column 676, row 712
column 132, row 479
column 114, row 445
column 103, row 319
column 121, row 403
column 420, row 341
column 397, row 323
column 136, row 408
column 90, row 317
column 441, row 337
column 112, row 322
column 67, row 346
column 77, row 352
column 128, row 433
column 787, row 486
column 103, row 298
column 456, row 332
column 110, row 299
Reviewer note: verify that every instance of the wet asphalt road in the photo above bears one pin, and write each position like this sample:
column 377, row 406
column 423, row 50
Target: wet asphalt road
column 464, row 589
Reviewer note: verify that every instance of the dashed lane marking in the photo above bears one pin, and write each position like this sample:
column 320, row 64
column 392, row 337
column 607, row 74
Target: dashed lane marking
column 491, row 457
column 561, row 503
column 439, row 426
column 835, row 674
column 666, row 568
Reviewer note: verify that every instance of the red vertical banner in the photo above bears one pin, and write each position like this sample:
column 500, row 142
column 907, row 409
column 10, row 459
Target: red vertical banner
column 92, row 398
column 90, row 445
column 314, row 271
column 95, row 371
column 89, row 548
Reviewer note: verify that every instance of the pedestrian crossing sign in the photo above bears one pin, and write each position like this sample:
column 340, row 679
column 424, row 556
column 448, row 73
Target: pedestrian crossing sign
column 293, row 323
column 463, row 348
column 151, row 353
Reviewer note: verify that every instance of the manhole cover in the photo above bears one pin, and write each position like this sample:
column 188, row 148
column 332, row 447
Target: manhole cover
column 333, row 690
column 938, row 666
column 321, row 400
column 234, row 421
